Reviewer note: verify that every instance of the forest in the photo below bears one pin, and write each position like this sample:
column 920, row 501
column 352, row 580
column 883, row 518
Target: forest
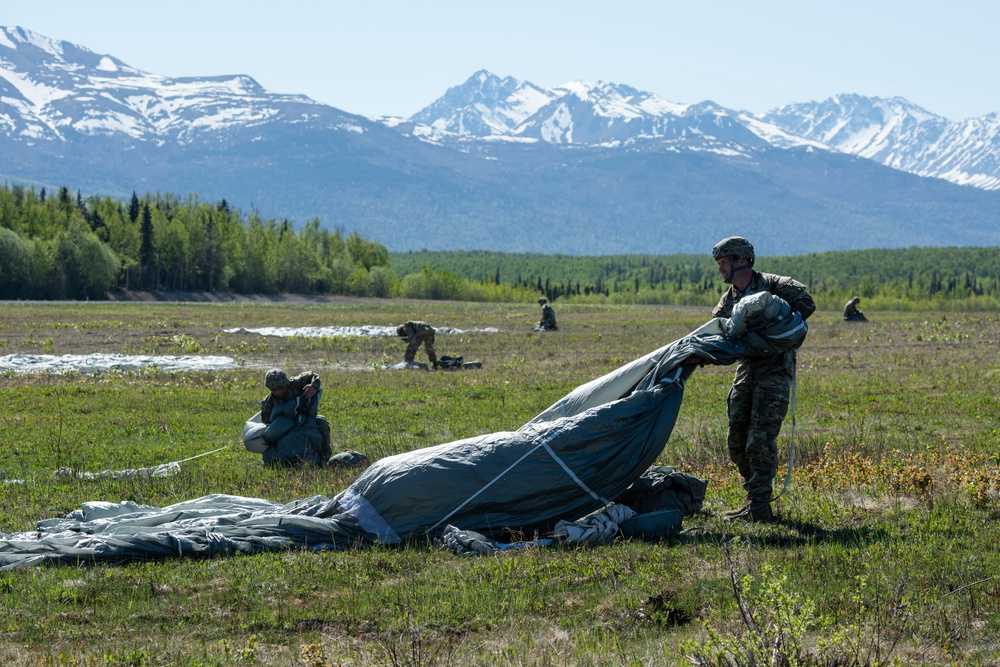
column 75, row 247
column 954, row 278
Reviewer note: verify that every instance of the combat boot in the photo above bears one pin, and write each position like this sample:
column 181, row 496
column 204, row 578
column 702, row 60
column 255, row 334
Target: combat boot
column 755, row 511
column 762, row 513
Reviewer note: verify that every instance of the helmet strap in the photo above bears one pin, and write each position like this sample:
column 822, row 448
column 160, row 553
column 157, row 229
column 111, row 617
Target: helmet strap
column 733, row 271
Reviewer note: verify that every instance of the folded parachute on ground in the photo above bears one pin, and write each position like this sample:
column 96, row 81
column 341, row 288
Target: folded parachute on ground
column 571, row 460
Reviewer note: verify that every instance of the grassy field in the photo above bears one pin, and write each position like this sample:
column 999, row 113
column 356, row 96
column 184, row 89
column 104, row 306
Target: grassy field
column 887, row 552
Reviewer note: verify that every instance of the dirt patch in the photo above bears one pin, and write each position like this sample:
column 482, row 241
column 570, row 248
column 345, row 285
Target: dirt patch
column 881, row 504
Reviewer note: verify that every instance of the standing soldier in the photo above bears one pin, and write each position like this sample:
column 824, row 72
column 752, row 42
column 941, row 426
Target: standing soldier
column 415, row 334
column 548, row 321
column 758, row 400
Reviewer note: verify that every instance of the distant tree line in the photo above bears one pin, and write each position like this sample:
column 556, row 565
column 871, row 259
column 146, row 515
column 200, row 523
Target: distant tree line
column 71, row 247
column 966, row 278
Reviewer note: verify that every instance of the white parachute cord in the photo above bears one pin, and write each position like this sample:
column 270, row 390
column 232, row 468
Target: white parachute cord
column 198, row 456
column 791, row 447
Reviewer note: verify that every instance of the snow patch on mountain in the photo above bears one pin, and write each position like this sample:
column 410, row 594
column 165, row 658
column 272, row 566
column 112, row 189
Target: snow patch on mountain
column 107, row 65
column 558, row 127
column 775, row 136
column 53, row 87
column 10, row 37
column 899, row 134
column 35, row 93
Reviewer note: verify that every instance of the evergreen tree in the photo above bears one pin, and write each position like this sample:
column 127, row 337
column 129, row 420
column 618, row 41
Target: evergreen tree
column 133, row 208
column 147, row 258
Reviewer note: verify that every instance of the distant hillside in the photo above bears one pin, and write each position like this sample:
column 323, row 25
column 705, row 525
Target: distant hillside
column 581, row 169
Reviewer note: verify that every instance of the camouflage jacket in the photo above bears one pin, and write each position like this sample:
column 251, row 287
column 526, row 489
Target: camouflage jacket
column 790, row 290
column 548, row 317
column 416, row 330
column 295, row 387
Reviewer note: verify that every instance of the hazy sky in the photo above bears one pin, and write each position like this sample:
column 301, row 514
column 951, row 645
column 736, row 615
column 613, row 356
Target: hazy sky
column 386, row 57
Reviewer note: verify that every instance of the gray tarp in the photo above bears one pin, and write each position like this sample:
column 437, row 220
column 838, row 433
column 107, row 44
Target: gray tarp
column 571, row 460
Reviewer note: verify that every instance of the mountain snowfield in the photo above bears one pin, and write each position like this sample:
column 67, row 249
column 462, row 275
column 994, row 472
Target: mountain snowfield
column 892, row 132
column 50, row 89
column 500, row 163
column 488, row 108
column 901, row 135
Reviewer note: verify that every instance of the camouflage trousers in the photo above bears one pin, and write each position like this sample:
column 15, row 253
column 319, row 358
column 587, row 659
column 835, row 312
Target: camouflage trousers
column 757, row 405
column 423, row 337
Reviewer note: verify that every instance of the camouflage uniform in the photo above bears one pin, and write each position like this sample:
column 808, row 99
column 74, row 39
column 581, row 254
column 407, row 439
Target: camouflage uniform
column 295, row 386
column 308, row 410
column 758, row 400
column 416, row 334
column 548, row 322
column 852, row 313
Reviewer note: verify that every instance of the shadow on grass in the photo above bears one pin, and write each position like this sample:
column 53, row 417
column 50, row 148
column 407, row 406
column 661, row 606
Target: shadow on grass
column 781, row 533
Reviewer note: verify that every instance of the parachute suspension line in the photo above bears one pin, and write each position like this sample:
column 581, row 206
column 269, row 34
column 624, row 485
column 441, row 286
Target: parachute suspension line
column 541, row 444
column 572, row 475
column 198, row 456
column 486, row 486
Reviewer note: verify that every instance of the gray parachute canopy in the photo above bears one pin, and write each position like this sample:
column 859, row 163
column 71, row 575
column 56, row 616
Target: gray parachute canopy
column 573, row 458
column 570, row 460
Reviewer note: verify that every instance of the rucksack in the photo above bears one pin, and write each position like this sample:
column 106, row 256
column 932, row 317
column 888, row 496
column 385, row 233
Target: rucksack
column 445, row 362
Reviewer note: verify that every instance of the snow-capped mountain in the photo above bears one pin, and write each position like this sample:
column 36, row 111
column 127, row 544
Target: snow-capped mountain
column 901, row 135
column 892, row 132
column 494, row 164
column 587, row 114
column 484, row 105
column 53, row 90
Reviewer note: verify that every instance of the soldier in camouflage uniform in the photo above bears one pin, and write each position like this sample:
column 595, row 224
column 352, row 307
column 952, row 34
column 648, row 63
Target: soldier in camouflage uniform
column 416, row 334
column 548, row 321
column 758, row 400
column 851, row 311
column 282, row 389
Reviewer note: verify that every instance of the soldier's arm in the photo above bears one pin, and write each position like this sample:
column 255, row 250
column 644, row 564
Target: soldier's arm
column 309, row 379
column 796, row 295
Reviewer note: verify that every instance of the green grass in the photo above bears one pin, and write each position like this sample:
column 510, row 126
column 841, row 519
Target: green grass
column 887, row 551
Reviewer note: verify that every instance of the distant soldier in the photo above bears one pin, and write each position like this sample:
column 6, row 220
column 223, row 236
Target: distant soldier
column 852, row 313
column 416, row 334
column 548, row 321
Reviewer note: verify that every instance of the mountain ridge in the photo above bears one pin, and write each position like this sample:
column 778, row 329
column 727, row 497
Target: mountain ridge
column 494, row 164
column 891, row 131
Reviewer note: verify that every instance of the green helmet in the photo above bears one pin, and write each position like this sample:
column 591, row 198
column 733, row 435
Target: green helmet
column 734, row 246
column 275, row 379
